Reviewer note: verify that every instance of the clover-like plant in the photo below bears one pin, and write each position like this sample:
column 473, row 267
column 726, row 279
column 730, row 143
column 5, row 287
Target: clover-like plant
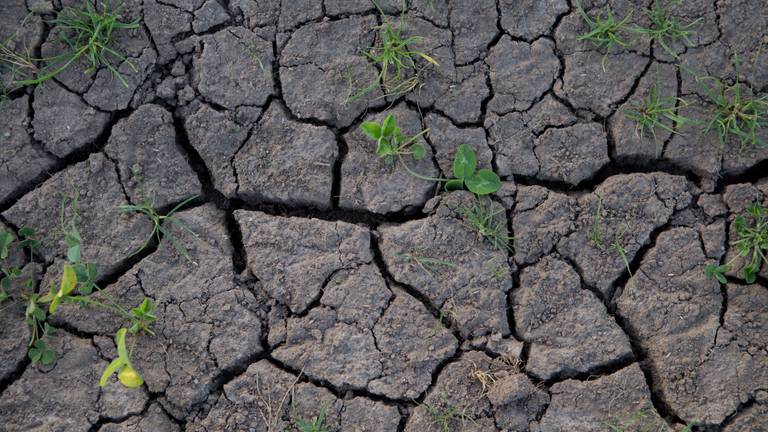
column 666, row 29
column 651, row 113
column 88, row 33
column 751, row 244
column 392, row 144
column 396, row 58
column 604, row 30
column 480, row 182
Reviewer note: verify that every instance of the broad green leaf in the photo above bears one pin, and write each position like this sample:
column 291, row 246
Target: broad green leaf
column 68, row 281
column 464, row 162
column 383, row 148
column 388, row 126
column 54, row 304
column 5, row 283
column 34, row 354
column 484, row 182
column 5, row 240
column 3, row 296
column 418, row 151
column 47, row 357
column 73, row 253
column 454, row 185
column 371, row 129
column 113, row 367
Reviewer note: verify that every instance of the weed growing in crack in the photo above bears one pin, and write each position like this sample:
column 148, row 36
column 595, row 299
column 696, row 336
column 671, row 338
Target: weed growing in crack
column 158, row 225
column 666, row 29
column 429, row 265
column 271, row 415
column 75, row 287
column 445, row 418
column 392, row 145
column 482, row 217
column 88, row 33
column 495, row 269
column 15, row 65
column 616, row 245
column 316, row 423
column 735, row 113
column 604, row 30
column 650, row 114
column 399, row 71
column 752, row 245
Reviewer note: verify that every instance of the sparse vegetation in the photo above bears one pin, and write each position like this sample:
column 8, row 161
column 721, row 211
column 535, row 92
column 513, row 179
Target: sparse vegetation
column 666, row 28
column 653, row 113
column 429, row 265
column 316, row 423
column 616, row 245
column 86, row 33
column 482, row 217
column 605, row 30
column 448, row 417
column 751, row 245
column 736, row 113
column 396, row 58
column 159, row 227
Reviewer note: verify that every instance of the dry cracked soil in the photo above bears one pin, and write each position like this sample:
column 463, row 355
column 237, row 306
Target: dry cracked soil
column 305, row 294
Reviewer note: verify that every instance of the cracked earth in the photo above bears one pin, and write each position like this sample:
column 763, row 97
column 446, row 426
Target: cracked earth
column 299, row 292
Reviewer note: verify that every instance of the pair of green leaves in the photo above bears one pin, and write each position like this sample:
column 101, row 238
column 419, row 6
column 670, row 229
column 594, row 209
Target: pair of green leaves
column 27, row 241
column 390, row 141
column 122, row 365
column 480, row 182
column 40, row 353
column 143, row 317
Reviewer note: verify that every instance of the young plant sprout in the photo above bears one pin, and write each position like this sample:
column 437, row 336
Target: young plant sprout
column 735, row 113
column 653, row 112
column 158, row 225
column 316, row 423
column 429, row 265
column 483, row 218
column 392, row 145
column 88, row 33
column 751, row 245
column 616, row 246
column 604, row 30
column 397, row 60
column 666, row 29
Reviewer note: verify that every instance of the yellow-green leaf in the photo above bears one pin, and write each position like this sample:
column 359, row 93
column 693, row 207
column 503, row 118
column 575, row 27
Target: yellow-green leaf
column 113, row 367
column 68, row 281
column 428, row 58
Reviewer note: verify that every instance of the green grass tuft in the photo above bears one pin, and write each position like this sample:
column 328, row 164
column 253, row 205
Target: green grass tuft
column 649, row 115
column 666, row 29
column 482, row 218
column 88, row 33
column 604, row 30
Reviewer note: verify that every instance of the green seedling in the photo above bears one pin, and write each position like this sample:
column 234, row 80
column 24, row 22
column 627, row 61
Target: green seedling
column 604, row 30
column 751, row 245
column 122, row 365
column 397, row 60
column 735, row 114
column 496, row 270
column 9, row 273
column 445, row 419
column 666, row 29
column 479, row 182
column 652, row 113
column 159, row 228
column 392, row 144
column 429, row 265
column 482, row 218
column 616, row 246
column 88, row 33
column 316, row 423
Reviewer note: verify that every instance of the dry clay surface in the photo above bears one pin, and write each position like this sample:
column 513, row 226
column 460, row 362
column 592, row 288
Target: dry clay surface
column 305, row 292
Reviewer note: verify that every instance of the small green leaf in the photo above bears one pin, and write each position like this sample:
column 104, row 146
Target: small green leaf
column 371, row 129
column 5, row 241
column 418, row 151
column 73, row 253
column 383, row 148
column 34, row 354
column 388, row 126
column 27, row 232
column 47, row 357
column 484, row 182
column 464, row 162
column 68, row 281
column 122, row 352
column 5, row 283
column 454, row 185
column 3, row 296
